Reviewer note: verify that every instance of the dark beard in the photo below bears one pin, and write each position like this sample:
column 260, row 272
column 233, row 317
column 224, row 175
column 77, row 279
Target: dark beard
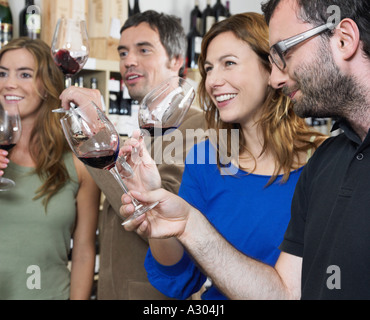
column 326, row 91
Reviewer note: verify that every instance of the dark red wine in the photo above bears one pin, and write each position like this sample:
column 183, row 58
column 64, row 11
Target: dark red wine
column 155, row 131
column 7, row 147
column 100, row 159
column 67, row 64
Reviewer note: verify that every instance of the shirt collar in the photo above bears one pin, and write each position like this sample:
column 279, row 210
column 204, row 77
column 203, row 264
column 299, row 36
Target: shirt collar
column 349, row 132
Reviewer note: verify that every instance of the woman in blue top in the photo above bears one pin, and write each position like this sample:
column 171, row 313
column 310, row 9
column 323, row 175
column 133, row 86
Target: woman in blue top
column 245, row 196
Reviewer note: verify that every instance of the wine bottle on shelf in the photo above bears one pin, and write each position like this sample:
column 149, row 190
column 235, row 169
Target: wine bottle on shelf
column 81, row 81
column 130, row 11
column 94, row 83
column 194, row 46
column 136, row 7
column 208, row 18
column 6, row 23
column 113, row 110
column 30, row 21
column 198, row 17
column 228, row 12
column 219, row 11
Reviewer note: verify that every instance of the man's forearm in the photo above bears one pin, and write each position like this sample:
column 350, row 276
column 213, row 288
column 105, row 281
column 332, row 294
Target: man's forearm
column 236, row 275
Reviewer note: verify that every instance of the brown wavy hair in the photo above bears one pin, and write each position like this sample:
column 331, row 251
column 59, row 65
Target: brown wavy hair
column 47, row 142
column 285, row 134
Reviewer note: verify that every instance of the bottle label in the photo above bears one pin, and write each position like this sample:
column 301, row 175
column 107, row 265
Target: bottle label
column 198, row 45
column 199, row 25
column 210, row 21
column 33, row 19
column 6, row 33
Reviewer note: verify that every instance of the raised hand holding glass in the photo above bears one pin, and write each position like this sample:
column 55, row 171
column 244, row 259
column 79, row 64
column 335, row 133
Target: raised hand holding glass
column 95, row 141
column 10, row 132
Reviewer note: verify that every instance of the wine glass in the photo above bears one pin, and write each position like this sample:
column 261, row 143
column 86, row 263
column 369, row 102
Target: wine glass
column 95, row 141
column 163, row 109
column 70, row 47
column 10, row 132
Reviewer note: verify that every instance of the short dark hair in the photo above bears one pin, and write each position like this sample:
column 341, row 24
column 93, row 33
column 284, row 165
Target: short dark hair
column 315, row 12
column 169, row 28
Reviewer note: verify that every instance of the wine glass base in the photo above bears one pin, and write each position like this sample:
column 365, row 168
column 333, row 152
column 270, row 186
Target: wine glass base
column 6, row 184
column 140, row 211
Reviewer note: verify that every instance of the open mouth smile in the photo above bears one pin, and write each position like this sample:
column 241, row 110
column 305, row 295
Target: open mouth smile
column 225, row 97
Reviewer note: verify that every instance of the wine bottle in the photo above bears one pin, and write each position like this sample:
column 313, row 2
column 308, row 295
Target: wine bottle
column 80, row 81
column 130, row 11
column 6, row 23
column 94, row 83
column 208, row 18
column 136, row 7
column 198, row 17
column 114, row 90
column 194, row 46
column 228, row 13
column 30, row 21
column 219, row 11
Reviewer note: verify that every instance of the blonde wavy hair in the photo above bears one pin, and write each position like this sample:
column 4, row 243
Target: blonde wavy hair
column 285, row 134
column 47, row 143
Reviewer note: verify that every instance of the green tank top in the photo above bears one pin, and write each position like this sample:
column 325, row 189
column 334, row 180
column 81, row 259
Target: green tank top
column 34, row 244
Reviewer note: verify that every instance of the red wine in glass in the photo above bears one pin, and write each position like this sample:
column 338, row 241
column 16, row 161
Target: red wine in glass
column 7, row 147
column 69, row 65
column 100, row 159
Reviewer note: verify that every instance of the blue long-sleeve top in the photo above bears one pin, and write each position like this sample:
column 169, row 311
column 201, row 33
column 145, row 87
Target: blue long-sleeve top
column 251, row 216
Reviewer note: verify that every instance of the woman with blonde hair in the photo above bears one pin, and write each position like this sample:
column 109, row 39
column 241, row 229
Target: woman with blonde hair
column 54, row 199
column 247, row 198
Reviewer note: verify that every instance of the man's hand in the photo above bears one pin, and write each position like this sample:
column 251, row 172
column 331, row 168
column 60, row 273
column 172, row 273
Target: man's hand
column 167, row 219
column 80, row 96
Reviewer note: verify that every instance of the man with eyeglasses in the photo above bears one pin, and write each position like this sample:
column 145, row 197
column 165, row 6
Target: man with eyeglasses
column 325, row 69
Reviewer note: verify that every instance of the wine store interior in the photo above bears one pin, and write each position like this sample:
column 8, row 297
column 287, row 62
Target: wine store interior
column 100, row 69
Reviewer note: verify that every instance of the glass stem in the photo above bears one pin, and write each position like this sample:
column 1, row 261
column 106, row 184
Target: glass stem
column 118, row 178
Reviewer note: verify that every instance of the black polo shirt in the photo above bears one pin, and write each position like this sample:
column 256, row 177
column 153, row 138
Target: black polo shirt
column 330, row 223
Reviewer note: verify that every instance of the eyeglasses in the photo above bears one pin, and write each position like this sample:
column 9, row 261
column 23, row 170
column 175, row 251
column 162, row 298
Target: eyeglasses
column 278, row 50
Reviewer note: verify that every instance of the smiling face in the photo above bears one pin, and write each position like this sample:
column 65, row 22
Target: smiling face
column 312, row 73
column 17, row 68
column 144, row 62
column 235, row 79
